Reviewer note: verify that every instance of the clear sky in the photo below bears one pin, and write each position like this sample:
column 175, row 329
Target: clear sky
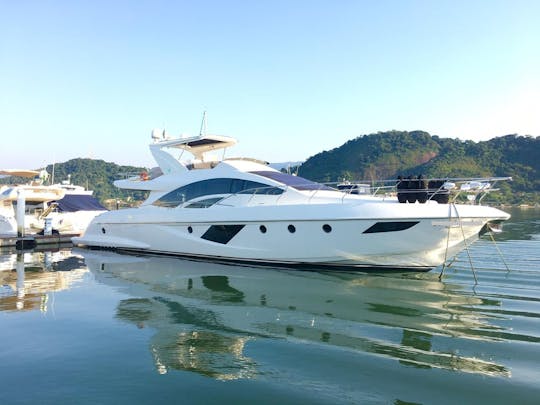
column 287, row 78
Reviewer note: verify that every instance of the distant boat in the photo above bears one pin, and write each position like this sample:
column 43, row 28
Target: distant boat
column 35, row 194
column 240, row 209
column 69, row 207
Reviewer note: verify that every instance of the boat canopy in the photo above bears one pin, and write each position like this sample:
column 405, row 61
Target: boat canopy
column 195, row 145
column 20, row 173
column 198, row 145
column 79, row 202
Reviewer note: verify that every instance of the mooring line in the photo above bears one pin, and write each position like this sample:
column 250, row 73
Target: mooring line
column 499, row 251
column 466, row 245
column 447, row 243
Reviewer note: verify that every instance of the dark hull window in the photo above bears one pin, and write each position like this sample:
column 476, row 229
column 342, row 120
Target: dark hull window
column 221, row 233
column 390, row 226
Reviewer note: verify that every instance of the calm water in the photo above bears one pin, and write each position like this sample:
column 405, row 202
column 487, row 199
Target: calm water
column 96, row 327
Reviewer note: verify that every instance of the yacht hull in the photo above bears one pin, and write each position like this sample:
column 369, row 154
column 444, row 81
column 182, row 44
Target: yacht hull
column 384, row 236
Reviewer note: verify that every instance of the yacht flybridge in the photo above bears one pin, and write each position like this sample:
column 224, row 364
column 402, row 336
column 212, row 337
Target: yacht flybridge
column 242, row 210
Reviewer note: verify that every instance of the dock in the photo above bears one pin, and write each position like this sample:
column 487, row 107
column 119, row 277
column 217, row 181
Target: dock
column 33, row 240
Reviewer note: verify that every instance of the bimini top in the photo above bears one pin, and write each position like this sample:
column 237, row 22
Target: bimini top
column 196, row 145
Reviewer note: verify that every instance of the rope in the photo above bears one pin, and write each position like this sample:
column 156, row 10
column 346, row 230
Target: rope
column 499, row 251
column 447, row 242
column 465, row 242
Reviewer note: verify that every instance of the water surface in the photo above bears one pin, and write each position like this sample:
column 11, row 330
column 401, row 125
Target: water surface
column 82, row 326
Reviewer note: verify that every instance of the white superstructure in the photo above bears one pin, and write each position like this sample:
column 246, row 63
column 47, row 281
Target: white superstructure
column 243, row 210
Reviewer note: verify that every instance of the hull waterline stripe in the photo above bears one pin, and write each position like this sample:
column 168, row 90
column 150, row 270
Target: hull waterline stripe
column 310, row 266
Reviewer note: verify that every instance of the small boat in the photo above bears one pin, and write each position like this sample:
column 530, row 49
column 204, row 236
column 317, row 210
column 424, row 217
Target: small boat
column 242, row 210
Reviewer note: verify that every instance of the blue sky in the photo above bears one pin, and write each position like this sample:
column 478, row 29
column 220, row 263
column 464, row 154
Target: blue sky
column 288, row 79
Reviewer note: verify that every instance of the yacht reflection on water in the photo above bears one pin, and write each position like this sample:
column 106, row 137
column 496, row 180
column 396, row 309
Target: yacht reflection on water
column 27, row 278
column 190, row 339
column 205, row 313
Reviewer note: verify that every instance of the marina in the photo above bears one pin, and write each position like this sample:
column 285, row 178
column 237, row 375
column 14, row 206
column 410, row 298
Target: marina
column 93, row 326
column 359, row 224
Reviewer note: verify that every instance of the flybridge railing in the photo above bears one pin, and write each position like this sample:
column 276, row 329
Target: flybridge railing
column 411, row 190
column 442, row 190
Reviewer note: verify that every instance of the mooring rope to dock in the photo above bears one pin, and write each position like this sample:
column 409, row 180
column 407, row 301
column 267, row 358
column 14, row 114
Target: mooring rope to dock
column 499, row 251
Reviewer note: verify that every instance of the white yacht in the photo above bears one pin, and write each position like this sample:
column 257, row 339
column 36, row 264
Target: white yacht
column 240, row 209
column 35, row 192
column 70, row 208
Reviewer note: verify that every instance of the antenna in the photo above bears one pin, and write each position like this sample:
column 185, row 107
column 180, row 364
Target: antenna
column 203, row 125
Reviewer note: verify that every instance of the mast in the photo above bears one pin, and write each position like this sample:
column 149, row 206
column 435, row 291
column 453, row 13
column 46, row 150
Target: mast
column 203, row 125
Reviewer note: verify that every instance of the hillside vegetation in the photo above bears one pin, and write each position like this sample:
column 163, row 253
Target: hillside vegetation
column 386, row 155
column 96, row 175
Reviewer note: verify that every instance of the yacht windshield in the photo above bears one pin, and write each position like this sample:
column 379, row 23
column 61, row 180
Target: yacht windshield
column 299, row 183
column 212, row 187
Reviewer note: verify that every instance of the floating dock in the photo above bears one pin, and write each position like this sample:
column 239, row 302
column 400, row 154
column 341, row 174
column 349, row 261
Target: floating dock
column 31, row 241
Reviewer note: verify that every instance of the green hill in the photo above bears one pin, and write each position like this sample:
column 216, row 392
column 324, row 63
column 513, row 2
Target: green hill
column 96, row 175
column 386, row 155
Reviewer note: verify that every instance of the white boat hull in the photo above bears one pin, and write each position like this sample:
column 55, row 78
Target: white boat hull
column 387, row 235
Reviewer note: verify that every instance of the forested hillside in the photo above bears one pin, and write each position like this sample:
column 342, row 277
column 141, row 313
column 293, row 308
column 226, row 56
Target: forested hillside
column 386, row 155
column 96, row 175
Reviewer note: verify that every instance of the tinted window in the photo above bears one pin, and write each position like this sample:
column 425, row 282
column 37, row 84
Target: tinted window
column 253, row 187
column 296, row 182
column 213, row 187
column 208, row 202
